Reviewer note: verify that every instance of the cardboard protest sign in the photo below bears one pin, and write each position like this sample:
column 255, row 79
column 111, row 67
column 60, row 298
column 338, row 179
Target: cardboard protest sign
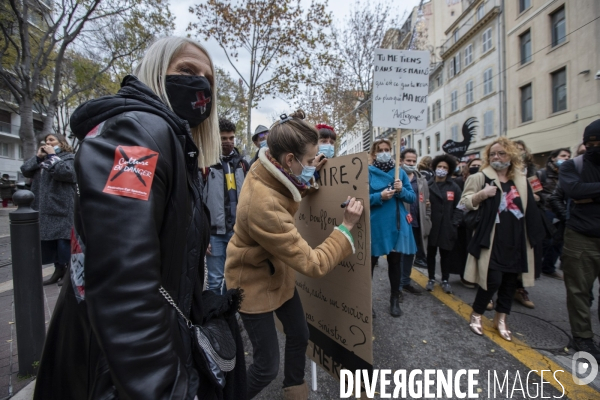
column 338, row 306
column 400, row 88
column 458, row 149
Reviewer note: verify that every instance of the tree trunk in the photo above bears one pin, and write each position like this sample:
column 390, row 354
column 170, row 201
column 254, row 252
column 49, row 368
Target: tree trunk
column 249, row 121
column 26, row 132
column 49, row 120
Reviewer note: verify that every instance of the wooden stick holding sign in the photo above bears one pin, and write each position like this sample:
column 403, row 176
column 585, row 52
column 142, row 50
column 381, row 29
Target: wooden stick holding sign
column 398, row 150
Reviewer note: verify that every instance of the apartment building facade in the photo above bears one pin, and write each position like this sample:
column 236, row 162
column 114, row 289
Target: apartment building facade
column 553, row 56
column 474, row 85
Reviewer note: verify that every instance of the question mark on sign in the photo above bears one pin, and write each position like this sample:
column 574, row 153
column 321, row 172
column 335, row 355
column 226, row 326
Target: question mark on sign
column 363, row 335
column 360, row 169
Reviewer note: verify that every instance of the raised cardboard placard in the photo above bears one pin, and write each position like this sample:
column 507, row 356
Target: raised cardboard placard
column 400, row 88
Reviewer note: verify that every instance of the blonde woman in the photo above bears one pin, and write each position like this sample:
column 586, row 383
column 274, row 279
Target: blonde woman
column 140, row 224
column 509, row 226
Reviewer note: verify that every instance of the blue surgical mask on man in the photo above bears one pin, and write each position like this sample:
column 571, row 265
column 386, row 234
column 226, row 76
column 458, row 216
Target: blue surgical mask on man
column 384, row 156
column 307, row 173
column 327, row 150
column 559, row 162
column 263, row 144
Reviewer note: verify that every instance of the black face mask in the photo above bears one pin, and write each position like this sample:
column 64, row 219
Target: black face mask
column 473, row 170
column 593, row 154
column 190, row 97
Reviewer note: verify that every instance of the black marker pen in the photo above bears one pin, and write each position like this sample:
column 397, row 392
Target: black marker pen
column 344, row 204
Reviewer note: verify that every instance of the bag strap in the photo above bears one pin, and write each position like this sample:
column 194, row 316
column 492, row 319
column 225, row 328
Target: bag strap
column 172, row 302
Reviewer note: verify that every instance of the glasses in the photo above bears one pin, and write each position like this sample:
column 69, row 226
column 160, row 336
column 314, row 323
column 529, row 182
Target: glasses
column 500, row 154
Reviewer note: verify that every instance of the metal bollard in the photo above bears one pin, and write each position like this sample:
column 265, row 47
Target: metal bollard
column 27, row 282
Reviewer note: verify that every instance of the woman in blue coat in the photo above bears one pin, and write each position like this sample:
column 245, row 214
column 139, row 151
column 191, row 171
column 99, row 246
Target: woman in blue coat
column 391, row 232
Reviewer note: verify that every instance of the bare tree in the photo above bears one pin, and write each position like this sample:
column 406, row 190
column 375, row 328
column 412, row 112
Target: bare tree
column 36, row 37
column 280, row 40
column 363, row 31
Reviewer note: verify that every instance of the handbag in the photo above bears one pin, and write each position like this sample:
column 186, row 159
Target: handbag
column 471, row 219
column 213, row 345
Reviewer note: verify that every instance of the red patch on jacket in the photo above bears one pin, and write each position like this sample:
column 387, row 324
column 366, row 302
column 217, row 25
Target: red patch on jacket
column 132, row 172
column 450, row 196
column 421, row 197
column 409, row 218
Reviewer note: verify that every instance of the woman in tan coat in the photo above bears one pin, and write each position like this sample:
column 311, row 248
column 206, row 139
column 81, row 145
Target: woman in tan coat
column 509, row 225
column 266, row 250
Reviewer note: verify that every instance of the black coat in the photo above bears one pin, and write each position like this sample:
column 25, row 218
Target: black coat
column 445, row 217
column 112, row 334
column 53, row 184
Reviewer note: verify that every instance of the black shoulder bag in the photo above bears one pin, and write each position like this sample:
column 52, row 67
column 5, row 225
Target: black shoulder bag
column 213, row 345
column 472, row 218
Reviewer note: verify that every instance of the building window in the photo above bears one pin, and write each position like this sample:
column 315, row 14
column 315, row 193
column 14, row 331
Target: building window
column 454, row 101
column 487, row 40
column 439, row 109
column 524, row 5
column 438, row 144
column 4, row 150
column 440, row 80
column 468, row 55
column 457, row 63
column 488, row 123
column 559, row 90
column 525, row 40
column 487, row 82
column 420, row 148
column 428, row 145
column 428, row 117
column 456, row 36
column 469, row 92
column 558, row 27
column 21, row 152
column 454, row 130
column 526, row 103
column 480, row 12
column 451, row 69
column 433, row 113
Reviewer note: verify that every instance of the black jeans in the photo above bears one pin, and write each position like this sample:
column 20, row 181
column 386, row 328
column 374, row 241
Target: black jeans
column 444, row 262
column 505, row 283
column 420, row 250
column 263, row 335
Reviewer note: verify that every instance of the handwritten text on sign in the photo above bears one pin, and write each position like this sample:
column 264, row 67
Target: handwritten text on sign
column 400, row 87
column 338, row 306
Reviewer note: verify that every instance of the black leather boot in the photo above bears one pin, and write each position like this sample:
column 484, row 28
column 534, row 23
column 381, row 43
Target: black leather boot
column 395, row 305
column 59, row 272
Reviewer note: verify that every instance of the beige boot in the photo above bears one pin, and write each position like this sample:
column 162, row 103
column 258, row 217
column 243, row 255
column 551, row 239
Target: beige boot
column 299, row 392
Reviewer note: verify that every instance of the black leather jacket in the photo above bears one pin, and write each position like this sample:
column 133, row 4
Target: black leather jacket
column 123, row 340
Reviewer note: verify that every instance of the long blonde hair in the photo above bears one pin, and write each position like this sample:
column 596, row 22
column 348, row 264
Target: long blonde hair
column 513, row 152
column 152, row 71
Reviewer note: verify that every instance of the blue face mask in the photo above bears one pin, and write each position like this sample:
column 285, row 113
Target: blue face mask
column 559, row 162
column 384, row 157
column 327, row 150
column 57, row 149
column 263, row 144
column 307, row 173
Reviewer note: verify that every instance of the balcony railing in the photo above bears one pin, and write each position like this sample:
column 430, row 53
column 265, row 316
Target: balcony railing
column 475, row 16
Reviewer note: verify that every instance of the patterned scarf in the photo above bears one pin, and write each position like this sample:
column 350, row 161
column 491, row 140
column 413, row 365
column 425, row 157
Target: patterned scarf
column 385, row 167
column 299, row 185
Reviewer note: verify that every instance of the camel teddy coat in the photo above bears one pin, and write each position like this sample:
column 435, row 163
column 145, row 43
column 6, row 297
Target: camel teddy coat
column 266, row 249
column 476, row 270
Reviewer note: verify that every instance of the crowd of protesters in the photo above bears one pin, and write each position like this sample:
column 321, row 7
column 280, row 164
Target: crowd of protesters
column 157, row 179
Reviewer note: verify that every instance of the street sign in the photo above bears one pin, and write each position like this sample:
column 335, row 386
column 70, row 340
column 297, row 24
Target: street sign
column 400, row 88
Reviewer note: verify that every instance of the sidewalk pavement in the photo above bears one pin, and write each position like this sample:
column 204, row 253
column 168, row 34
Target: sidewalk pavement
column 10, row 381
